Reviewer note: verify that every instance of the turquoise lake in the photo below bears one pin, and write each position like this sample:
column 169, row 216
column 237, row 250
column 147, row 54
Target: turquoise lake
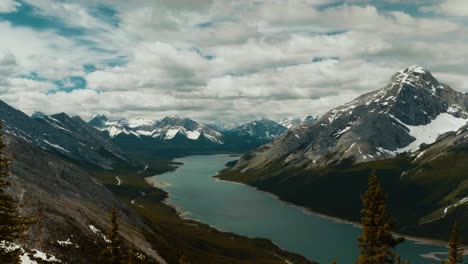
column 246, row 211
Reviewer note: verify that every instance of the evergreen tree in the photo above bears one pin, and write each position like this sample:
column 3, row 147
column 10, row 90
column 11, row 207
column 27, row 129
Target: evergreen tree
column 376, row 241
column 12, row 226
column 132, row 254
column 455, row 247
column 113, row 253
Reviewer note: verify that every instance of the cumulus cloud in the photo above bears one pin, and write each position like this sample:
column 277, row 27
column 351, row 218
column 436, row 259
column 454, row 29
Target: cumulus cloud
column 9, row 6
column 452, row 7
column 226, row 61
column 7, row 65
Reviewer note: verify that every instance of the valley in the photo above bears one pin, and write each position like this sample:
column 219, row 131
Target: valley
column 178, row 236
column 246, row 211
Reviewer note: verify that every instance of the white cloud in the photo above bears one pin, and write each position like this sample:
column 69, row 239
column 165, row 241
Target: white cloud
column 158, row 65
column 9, row 6
column 73, row 14
column 454, row 7
column 7, row 65
column 223, row 60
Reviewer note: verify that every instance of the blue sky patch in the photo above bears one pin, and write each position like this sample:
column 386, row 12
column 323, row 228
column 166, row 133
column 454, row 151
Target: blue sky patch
column 27, row 16
column 71, row 83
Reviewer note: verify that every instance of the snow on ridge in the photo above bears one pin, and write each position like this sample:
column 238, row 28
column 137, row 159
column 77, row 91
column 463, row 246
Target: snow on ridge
column 428, row 134
column 55, row 123
column 171, row 133
column 56, row 146
column 138, row 122
column 194, row 135
column 416, row 69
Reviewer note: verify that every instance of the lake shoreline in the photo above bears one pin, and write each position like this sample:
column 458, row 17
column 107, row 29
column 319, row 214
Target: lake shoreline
column 185, row 214
column 308, row 211
column 419, row 240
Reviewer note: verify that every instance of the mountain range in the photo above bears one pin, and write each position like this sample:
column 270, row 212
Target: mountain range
column 409, row 131
column 181, row 136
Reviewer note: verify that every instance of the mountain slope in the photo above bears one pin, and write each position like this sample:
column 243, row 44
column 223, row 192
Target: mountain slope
column 377, row 125
column 327, row 171
column 289, row 122
column 248, row 136
column 60, row 134
column 71, row 205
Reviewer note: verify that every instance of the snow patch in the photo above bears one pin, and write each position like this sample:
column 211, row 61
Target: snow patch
column 428, row 134
column 67, row 243
column 56, row 146
column 138, row 122
column 193, row 135
column 462, row 201
column 341, row 132
column 171, row 133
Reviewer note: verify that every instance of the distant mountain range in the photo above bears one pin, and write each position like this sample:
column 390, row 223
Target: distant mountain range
column 290, row 122
column 178, row 136
column 413, row 131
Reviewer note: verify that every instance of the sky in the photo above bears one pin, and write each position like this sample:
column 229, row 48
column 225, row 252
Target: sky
column 220, row 61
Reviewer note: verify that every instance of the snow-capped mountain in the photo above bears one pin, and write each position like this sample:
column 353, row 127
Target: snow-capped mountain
column 68, row 136
column 165, row 129
column 414, row 108
column 289, row 122
column 261, row 129
column 310, row 119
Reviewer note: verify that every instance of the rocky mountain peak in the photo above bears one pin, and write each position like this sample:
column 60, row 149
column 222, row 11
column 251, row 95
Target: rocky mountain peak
column 98, row 120
column 414, row 76
column 413, row 109
column 38, row 115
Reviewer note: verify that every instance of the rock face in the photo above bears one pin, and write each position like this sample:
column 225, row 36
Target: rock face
column 260, row 129
column 290, row 122
column 70, row 137
column 414, row 108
